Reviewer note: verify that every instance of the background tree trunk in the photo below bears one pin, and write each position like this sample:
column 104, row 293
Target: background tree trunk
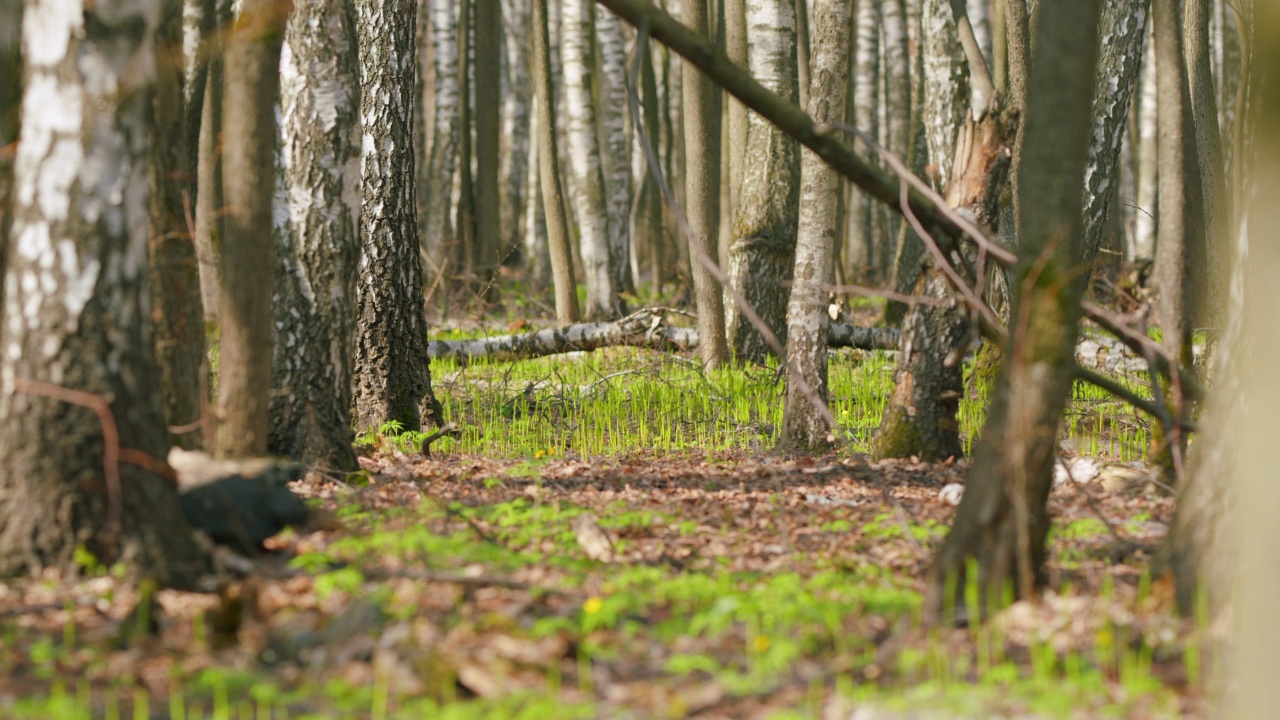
column 318, row 247
column 1002, row 521
column 646, row 217
column 210, row 201
column 590, row 202
column 615, row 150
column 438, row 237
column 393, row 381
column 735, row 45
column 805, row 423
column 516, row 119
column 762, row 255
column 1179, row 255
column 860, row 249
column 177, row 315
column 549, row 172
column 702, row 194
column 1215, row 203
column 1144, row 234
column 250, row 89
column 86, row 327
column 1124, row 28
column 487, row 248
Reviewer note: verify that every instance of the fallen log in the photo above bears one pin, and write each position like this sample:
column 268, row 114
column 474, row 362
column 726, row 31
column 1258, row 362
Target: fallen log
column 646, row 328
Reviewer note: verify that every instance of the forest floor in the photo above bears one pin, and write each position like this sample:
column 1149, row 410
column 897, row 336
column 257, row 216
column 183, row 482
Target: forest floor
column 609, row 536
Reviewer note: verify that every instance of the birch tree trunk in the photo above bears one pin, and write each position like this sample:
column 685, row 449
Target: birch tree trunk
column 1144, row 235
column 516, row 120
column 762, row 256
column 393, row 381
column 590, row 199
column 702, row 193
column 438, row 237
column 318, row 238
column 209, row 200
column 251, row 85
column 177, row 317
column 1002, row 520
column 1124, row 29
column 549, row 171
column 80, row 325
column 946, row 86
column 615, row 150
column 806, row 419
column 861, row 243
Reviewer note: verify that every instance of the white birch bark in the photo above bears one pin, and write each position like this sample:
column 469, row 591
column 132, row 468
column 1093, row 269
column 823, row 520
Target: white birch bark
column 1124, row 29
column 1144, row 235
column 861, row 244
column 317, row 212
column 615, row 149
column 946, row 85
column 806, row 421
column 590, row 204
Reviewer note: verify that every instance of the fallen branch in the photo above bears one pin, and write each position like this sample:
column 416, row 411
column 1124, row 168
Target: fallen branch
column 646, row 328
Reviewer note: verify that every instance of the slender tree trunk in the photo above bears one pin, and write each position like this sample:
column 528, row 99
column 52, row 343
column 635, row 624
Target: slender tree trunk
column 10, row 104
column 1124, row 28
column 762, row 256
column 804, row 50
column 615, row 152
column 590, row 199
column 210, row 201
column 646, row 216
column 516, row 119
column 702, row 194
column 909, row 248
column 861, row 243
column 1179, row 256
column 549, row 172
column 438, row 236
column 1002, row 521
column 464, row 254
column 83, row 324
column 487, row 248
column 806, row 421
column 1216, row 204
column 393, row 381
column 318, row 247
column 1144, row 235
column 735, row 45
column 536, row 250
column 946, row 86
column 177, row 316
column 250, row 90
